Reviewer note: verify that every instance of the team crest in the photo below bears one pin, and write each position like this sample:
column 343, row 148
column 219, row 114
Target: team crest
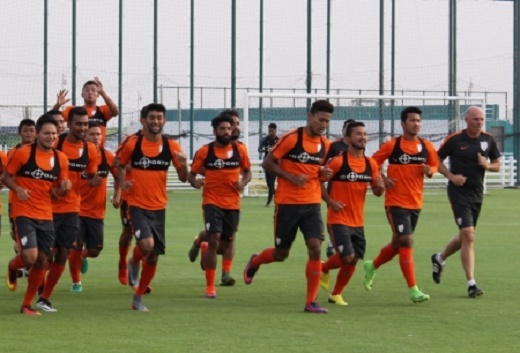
column 483, row 145
column 419, row 147
column 229, row 154
column 80, row 152
column 160, row 148
column 400, row 228
column 318, row 146
column 51, row 161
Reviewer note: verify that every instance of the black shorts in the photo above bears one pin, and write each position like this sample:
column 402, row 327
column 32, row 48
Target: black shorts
column 348, row 240
column 91, row 232
column 34, row 233
column 123, row 213
column 402, row 220
column 66, row 228
column 466, row 213
column 149, row 224
column 218, row 220
column 289, row 218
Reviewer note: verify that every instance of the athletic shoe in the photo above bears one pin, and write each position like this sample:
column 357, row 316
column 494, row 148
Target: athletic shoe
column 122, row 274
column 474, row 291
column 137, row 304
column 370, row 273
column 211, row 292
column 133, row 273
column 84, row 265
column 22, row 272
column 337, row 299
column 315, row 309
column 437, row 269
column 330, row 251
column 28, row 310
column 45, row 305
column 417, row 296
column 250, row 271
column 325, row 280
column 76, row 288
column 226, row 280
column 194, row 251
column 11, row 279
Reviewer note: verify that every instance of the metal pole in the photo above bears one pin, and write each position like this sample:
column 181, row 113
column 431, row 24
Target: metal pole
column 516, row 88
column 155, row 51
column 73, row 93
column 452, row 71
column 392, row 73
column 192, row 73
column 261, row 71
column 381, row 67
column 45, row 56
column 309, row 50
column 120, row 76
column 328, row 48
column 233, row 52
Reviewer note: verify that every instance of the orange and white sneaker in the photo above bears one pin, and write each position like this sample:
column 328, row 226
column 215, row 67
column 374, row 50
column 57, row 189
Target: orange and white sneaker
column 28, row 310
column 11, row 279
column 211, row 292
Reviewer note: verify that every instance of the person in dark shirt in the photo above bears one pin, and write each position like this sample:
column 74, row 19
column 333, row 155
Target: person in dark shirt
column 265, row 147
column 472, row 151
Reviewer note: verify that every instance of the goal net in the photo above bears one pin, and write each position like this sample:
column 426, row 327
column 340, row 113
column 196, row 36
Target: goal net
column 442, row 115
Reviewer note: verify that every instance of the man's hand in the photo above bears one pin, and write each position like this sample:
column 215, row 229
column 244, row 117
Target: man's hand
column 61, row 97
column 457, row 179
column 298, row 179
column 427, row 170
column 127, row 184
column 22, row 194
column 100, row 88
column 336, row 206
column 482, row 161
column 95, row 181
column 197, row 183
column 325, row 173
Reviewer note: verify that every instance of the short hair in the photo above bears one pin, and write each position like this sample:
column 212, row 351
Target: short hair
column 76, row 111
column 322, row 106
column 93, row 123
column 352, row 125
column 272, row 126
column 45, row 119
column 230, row 112
column 346, row 122
column 407, row 110
column 219, row 119
column 89, row 82
column 144, row 112
column 54, row 112
column 155, row 107
column 25, row 122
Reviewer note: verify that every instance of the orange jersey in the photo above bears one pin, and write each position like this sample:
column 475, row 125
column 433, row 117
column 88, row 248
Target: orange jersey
column 82, row 158
column 100, row 114
column 150, row 162
column 36, row 171
column 405, row 167
column 298, row 153
column 94, row 199
column 3, row 164
column 222, row 166
column 10, row 153
column 350, row 178
column 128, row 175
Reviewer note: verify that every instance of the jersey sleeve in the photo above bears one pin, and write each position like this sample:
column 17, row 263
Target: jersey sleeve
column 284, row 145
column 433, row 159
column 198, row 160
column 125, row 150
column 445, row 149
column 335, row 164
column 3, row 161
column 384, row 152
column 105, row 110
column 175, row 148
column 494, row 152
column 16, row 160
column 110, row 161
column 64, row 170
column 245, row 162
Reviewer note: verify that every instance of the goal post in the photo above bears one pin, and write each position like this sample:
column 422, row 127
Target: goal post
column 442, row 115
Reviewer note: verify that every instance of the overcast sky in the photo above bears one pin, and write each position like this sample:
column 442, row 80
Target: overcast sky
column 485, row 47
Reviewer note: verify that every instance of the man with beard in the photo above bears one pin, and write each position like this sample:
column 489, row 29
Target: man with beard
column 150, row 155
column 222, row 162
column 226, row 247
column 82, row 159
column 410, row 159
column 40, row 171
column 352, row 172
column 297, row 161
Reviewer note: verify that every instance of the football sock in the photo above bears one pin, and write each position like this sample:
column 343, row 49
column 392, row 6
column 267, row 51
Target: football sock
column 332, row 263
column 137, row 255
column 407, row 266
column 53, row 277
column 344, row 275
column 33, row 282
column 386, row 254
column 226, row 265
column 147, row 275
column 16, row 263
column 265, row 257
column 472, row 282
column 312, row 272
column 210, row 277
column 75, row 265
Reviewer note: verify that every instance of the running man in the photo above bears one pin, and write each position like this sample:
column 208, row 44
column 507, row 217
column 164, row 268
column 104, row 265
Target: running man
column 266, row 145
column 92, row 210
column 297, row 161
column 40, row 171
column 410, row 159
column 471, row 151
column 222, row 162
column 82, row 158
column 352, row 172
column 150, row 155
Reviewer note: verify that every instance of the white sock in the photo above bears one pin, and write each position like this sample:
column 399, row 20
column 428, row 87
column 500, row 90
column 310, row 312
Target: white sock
column 472, row 282
column 330, row 243
column 443, row 262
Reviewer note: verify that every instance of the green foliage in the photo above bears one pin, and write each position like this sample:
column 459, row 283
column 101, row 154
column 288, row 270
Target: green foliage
column 267, row 316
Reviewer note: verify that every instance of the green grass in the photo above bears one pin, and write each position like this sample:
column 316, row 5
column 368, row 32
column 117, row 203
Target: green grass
column 268, row 315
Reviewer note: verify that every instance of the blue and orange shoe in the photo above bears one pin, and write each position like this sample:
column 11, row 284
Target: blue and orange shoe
column 250, row 271
column 315, row 309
